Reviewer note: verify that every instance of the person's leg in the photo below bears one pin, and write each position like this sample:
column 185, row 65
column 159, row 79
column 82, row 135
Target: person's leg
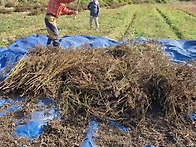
column 49, row 41
column 96, row 22
column 91, row 22
column 50, row 22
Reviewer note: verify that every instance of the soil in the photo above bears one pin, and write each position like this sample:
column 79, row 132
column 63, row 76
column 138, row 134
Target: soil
column 154, row 129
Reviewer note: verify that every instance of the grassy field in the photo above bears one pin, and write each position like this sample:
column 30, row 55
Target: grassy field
column 166, row 21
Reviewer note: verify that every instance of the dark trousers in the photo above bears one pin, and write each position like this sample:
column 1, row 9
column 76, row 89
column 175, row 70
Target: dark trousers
column 51, row 27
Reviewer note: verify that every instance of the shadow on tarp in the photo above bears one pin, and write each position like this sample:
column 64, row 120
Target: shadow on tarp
column 177, row 50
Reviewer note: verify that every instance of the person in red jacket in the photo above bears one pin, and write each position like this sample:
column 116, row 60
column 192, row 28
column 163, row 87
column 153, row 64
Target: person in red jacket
column 54, row 10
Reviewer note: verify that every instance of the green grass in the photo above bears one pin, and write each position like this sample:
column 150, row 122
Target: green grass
column 163, row 21
column 180, row 20
column 149, row 23
column 17, row 25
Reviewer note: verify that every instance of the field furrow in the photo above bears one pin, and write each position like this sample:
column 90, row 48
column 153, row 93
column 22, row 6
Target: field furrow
column 187, row 12
column 180, row 22
column 172, row 26
column 130, row 25
column 149, row 23
column 114, row 22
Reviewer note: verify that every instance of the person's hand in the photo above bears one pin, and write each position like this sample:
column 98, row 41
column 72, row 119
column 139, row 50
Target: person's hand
column 76, row 13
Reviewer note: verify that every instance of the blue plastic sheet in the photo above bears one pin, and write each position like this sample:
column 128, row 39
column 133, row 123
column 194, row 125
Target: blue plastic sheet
column 146, row 145
column 91, row 135
column 14, row 105
column 191, row 117
column 178, row 50
column 34, row 126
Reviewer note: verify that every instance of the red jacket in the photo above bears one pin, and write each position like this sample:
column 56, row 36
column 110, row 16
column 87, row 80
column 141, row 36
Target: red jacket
column 56, row 7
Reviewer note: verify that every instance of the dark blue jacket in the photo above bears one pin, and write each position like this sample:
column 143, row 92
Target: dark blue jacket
column 94, row 8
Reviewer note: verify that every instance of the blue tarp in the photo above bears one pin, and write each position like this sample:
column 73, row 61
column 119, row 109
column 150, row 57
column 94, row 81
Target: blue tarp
column 90, row 135
column 178, row 50
column 34, row 127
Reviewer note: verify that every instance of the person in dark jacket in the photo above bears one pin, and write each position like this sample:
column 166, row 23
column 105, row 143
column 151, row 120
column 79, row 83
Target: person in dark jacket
column 94, row 8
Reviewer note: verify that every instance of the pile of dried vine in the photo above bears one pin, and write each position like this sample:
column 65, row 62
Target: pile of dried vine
column 120, row 81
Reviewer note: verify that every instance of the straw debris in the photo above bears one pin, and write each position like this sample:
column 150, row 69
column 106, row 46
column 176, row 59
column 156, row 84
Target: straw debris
column 117, row 82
